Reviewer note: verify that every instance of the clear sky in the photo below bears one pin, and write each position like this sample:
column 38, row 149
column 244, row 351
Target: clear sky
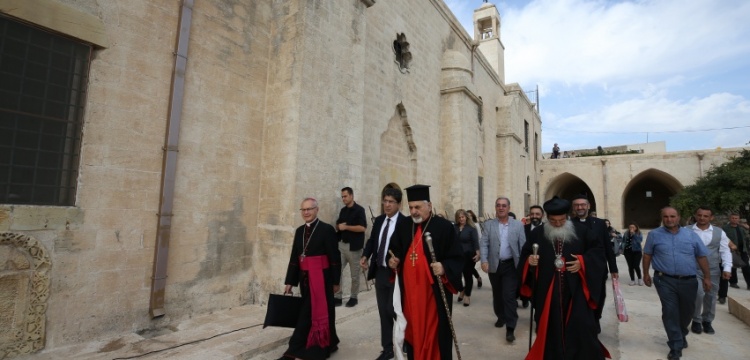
column 626, row 72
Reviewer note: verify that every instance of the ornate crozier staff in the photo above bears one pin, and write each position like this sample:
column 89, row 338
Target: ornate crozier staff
column 534, row 249
column 428, row 239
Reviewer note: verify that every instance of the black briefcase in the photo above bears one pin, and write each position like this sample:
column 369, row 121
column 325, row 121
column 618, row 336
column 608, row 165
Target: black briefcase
column 283, row 311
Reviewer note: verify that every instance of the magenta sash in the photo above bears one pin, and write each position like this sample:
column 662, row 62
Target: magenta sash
column 319, row 331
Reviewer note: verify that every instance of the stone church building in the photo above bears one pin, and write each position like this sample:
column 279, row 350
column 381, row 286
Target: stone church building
column 153, row 154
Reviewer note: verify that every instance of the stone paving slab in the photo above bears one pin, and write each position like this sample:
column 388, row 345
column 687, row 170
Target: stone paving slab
column 237, row 333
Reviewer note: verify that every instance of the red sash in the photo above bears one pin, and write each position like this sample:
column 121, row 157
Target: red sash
column 320, row 334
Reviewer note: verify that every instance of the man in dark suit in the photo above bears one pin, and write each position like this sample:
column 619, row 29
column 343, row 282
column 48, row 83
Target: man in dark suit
column 376, row 250
column 581, row 207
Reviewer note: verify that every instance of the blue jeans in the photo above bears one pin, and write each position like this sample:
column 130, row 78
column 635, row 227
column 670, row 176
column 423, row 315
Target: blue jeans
column 677, row 307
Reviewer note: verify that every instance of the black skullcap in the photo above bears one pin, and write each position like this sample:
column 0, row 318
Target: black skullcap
column 582, row 195
column 418, row 192
column 557, row 206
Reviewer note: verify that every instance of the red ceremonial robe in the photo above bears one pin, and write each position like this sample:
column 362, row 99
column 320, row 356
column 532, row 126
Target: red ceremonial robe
column 564, row 302
column 428, row 335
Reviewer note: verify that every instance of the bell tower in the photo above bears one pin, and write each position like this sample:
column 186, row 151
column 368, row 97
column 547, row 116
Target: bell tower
column 487, row 35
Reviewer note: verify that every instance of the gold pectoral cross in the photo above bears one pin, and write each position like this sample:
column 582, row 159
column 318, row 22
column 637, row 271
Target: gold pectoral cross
column 413, row 258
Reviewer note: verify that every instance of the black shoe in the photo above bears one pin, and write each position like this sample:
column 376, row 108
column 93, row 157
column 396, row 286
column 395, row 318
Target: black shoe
column 337, row 302
column 673, row 355
column 684, row 343
column 352, row 302
column 283, row 357
column 722, row 300
column 707, row 328
column 525, row 304
column 696, row 327
column 734, row 286
column 386, row 355
column 479, row 283
column 499, row 323
column 509, row 335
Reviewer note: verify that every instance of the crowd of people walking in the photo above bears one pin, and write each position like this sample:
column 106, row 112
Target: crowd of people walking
column 557, row 259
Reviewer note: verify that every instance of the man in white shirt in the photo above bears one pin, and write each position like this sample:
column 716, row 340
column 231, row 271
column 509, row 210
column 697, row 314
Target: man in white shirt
column 719, row 256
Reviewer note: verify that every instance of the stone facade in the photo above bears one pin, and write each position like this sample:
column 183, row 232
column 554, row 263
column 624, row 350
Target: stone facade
column 282, row 100
column 625, row 188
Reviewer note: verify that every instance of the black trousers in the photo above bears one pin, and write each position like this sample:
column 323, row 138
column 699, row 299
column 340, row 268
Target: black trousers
column 384, row 297
column 745, row 271
column 634, row 263
column 504, row 285
column 468, row 272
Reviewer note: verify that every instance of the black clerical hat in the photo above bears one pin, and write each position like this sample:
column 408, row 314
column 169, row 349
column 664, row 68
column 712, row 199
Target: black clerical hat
column 583, row 195
column 557, row 206
column 418, row 192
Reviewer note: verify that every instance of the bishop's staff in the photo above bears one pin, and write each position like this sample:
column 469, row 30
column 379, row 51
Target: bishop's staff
column 428, row 240
column 534, row 249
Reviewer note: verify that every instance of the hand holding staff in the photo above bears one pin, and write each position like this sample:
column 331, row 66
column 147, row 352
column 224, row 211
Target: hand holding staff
column 428, row 240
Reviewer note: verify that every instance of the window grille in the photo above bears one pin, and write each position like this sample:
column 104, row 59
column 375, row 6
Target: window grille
column 43, row 79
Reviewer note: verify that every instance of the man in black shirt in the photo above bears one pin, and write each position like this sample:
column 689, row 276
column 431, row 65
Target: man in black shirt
column 351, row 226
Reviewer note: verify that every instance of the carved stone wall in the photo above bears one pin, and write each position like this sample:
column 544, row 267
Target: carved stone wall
column 24, row 290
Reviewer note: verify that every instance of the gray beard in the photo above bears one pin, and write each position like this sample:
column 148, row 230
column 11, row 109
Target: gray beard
column 566, row 233
column 417, row 220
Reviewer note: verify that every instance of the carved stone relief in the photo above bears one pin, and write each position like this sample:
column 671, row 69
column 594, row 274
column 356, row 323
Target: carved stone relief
column 24, row 290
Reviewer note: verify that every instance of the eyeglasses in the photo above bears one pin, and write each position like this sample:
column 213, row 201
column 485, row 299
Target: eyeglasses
column 308, row 209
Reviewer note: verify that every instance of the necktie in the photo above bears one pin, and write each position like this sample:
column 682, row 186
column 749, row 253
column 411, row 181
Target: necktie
column 381, row 247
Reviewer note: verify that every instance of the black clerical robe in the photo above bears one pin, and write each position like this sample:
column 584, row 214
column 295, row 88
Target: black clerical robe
column 564, row 302
column 448, row 252
column 323, row 241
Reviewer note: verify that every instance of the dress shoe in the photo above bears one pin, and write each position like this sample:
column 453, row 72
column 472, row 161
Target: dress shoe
column 674, row 355
column 707, row 328
column 467, row 301
column 461, row 297
column 722, row 300
column 696, row 327
column 337, row 302
column 734, row 286
column 499, row 323
column 509, row 336
column 386, row 355
column 352, row 302
column 479, row 283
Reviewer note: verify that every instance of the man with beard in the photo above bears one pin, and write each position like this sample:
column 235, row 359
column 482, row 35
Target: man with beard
column 428, row 332
column 563, row 279
column 598, row 228
column 314, row 266
column 536, row 213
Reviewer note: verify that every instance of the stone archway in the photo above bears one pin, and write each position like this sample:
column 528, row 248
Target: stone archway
column 398, row 151
column 566, row 186
column 645, row 195
column 24, row 290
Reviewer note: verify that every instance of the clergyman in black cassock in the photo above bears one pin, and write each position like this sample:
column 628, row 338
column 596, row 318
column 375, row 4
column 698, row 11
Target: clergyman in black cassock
column 319, row 239
column 564, row 301
column 448, row 252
